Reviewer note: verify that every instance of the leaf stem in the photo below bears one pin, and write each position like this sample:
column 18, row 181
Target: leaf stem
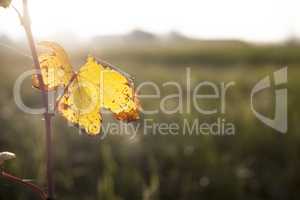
column 47, row 115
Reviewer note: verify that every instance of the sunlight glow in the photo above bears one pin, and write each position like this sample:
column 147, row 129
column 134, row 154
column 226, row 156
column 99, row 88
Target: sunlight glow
column 256, row 20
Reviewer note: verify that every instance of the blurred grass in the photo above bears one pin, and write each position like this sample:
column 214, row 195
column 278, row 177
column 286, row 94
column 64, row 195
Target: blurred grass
column 256, row 163
column 223, row 53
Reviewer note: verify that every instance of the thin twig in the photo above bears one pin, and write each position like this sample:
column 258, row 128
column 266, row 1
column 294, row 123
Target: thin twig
column 26, row 24
column 65, row 90
column 18, row 13
column 31, row 186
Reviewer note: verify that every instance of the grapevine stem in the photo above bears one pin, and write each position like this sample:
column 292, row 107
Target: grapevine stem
column 31, row 186
column 47, row 115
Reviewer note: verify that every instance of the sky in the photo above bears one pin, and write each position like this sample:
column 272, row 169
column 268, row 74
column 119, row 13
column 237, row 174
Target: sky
column 252, row 20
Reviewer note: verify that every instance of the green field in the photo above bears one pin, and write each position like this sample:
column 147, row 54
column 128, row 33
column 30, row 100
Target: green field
column 256, row 163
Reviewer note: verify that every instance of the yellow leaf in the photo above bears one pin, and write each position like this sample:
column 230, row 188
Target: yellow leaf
column 131, row 114
column 56, row 69
column 117, row 95
column 95, row 87
column 80, row 105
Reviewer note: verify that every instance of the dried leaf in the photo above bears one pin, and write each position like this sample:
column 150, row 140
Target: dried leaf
column 56, row 69
column 96, row 87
